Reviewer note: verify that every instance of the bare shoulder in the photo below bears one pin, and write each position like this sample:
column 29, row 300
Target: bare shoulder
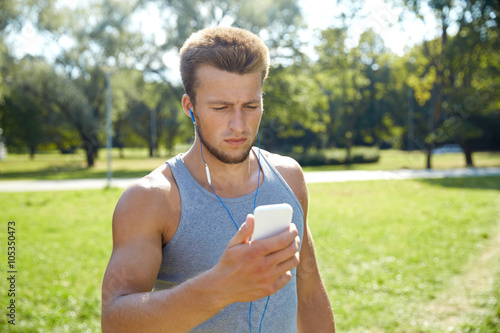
column 150, row 205
column 292, row 172
column 283, row 163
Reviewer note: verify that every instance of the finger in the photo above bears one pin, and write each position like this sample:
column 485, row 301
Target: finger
column 285, row 254
column 278, row 242
column 244, row 233
column 282, row 280
column 289, row 264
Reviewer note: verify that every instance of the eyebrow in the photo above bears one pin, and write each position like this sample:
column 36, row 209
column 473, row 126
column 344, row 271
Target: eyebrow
column 223, row 102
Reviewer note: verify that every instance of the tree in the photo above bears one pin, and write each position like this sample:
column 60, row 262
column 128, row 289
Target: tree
column 363, row 101
column 474, row 69
column 9, row 20
column 277, row 22
column 94, row 38
column 147, row 111
column 383, row 99
column 478, row 22
column 93, row 44
column 43, row 107
column 109, row 42
column 331, row 72
column 99, row 45
column 23, row 113
column 294, row 109
column 67, row 99
column 10, row 12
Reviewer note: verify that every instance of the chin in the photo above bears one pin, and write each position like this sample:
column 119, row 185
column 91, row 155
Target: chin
column 231, row 155
column 236, row 157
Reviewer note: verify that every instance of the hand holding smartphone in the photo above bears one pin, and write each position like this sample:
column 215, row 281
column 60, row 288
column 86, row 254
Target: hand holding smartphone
column 271, row 220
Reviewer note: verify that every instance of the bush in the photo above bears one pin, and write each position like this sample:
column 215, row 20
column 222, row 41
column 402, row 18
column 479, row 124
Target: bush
column 313, row 157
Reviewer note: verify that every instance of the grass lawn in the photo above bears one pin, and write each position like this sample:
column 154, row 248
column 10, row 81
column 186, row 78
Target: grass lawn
column 53, row 165
column 136, row 163
column 391, row 254
column 63, row 244
column 390, row 251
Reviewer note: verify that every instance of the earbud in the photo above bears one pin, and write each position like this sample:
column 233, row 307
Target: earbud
column 201, row 149
column 192, row 116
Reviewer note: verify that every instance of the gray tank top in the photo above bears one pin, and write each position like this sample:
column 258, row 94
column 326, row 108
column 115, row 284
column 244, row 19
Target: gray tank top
column 204, row 231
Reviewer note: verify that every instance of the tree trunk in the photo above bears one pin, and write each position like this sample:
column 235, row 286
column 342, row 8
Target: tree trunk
column 32, row 152
column 90, row 157
column 429, row 155
column 468, row 159
column 91, row 145
column 348, row 156
column 429, row 147
column 467, row 148
column 436, row 115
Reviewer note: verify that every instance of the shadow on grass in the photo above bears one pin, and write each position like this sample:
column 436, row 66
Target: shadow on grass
column 484, row 183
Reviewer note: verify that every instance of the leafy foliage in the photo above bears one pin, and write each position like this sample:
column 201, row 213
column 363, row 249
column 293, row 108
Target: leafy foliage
column 441, row 91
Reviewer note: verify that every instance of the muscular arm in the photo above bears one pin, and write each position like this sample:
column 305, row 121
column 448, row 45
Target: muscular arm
column 315, row 312
column 128, row 303
column 245, row 272
column 314, row 309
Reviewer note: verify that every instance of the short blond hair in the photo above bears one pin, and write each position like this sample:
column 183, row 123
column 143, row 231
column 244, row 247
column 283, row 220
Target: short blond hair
column 230, row 49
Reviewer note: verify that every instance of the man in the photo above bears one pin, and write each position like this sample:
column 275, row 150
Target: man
column 182, row 257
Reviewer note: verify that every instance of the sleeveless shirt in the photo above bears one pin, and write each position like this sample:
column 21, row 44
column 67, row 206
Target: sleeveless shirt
column 204, row 231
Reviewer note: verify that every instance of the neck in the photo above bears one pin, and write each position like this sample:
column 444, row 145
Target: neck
column 228, row 180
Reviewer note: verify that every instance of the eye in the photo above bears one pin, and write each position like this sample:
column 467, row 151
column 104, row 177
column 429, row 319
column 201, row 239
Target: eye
column 220, row 109
column 252, row 107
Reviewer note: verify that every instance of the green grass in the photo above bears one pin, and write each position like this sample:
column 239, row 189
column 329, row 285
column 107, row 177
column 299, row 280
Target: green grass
column 53, row 165
column 386, row 250
column 136, row 163
column 491, row 322
column 63, row 244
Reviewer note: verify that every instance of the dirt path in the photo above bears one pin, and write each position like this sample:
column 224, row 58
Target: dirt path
column 461, row 302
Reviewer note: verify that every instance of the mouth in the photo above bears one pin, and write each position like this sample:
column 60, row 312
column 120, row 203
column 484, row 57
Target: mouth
column 235, row 142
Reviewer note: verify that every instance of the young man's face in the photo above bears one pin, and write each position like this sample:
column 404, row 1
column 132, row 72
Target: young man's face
column 228, row 112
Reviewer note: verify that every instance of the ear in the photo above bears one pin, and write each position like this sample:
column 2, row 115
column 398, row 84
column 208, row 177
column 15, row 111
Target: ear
column 187, row 105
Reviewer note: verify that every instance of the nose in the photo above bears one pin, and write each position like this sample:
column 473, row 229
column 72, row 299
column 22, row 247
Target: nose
column 237, row 121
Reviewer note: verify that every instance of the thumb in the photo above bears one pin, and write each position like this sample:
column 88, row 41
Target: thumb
column 244, row 232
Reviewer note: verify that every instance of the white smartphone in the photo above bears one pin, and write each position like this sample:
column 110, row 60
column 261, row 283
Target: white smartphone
column 270, row 220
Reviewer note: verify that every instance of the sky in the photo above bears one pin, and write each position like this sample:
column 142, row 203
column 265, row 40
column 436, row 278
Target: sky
column 375, row 14
column 318, row 15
